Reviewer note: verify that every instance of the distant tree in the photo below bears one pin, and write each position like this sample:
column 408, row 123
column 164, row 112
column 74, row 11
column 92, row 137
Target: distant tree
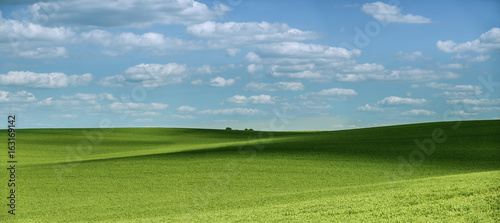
column 250, row 130
column 229, row 128
column 246, row 129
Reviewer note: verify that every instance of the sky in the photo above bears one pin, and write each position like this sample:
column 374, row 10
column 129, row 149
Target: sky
column 267, row 65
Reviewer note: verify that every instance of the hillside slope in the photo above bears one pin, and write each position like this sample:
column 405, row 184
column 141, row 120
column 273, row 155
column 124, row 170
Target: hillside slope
column 156, row 174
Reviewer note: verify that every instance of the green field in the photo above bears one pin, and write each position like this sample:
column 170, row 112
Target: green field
column 187, row 175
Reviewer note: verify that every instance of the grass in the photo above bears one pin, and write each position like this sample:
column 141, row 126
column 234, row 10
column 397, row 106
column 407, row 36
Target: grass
column 187, row 175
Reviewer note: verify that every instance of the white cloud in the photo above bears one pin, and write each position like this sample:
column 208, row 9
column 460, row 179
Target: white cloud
column 456, row 94
column 231, row 34
column 368, row 107
column 89, row 97
column 197, row 82
column 476, row 102
column 154, row 75
column 255, row 99
column 394, row 100
column 44, row 53
column 78, row 101
column 231, row 111
column 112, row 81
column 487, row 42
column 462, row 113
column 332, row 93
column 485, row 109
column 451, row 87
column 337, row 92
column 480, row 58
column 221, row 82
column 413, row 56
column 24, row 31
column 279, row 86
column 303, row 50
column 64, row 116
column 232, row 51
column 451, row 66
column 144, row 120
column 137, row 106
column 127, row 41
column 252, row 68
column 186, row 108
column 391, row 13
column 125, row 13
column 366, row 67
column 20, row 96
column 29, row 40
column 307, row 74
column 43, row 80
column 144, row 113
column 253, row 57
column 418, row 112
column 401, row 74
column 183, row 116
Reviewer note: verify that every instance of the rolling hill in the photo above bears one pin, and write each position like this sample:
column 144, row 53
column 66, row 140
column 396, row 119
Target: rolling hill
column 444, row 171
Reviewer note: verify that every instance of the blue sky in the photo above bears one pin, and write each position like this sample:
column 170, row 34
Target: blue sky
column 268, row 65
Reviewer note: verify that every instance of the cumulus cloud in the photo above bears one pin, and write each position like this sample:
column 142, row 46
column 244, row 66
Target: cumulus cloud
column 303, row 50
column 221, row 82
column 401, row 74
column 462, row 113
column 252, row 68
column 23, row 31
column 451, row 66
column 300, row 60
column 255, row 99
column 127, row 41
column 480, row 58
column 231, row 34
column 450, row 87
column 253, row 57
column 332, row 93
column 418, row 112
column 43, row 80
column 153, row 75
column 144, row 120
column 232, row 111
column 64, row 116
column 485, row 109
column 232, row 51
column 476, row 102
column 89, row 97
column 391, row 13
column 137, row 106
column 279, row 86
column 29, row 40
column 456, row 94
column 197, row 82
column 44, row 53
column 368, row 107
column 413, row 56
column 186, row 108
column 366, row 67
column 125, row 13
column 112, row 81
column 20, row 96
column 487, row 42
column 394, row 100
column 337, row 92
column 453, row 91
